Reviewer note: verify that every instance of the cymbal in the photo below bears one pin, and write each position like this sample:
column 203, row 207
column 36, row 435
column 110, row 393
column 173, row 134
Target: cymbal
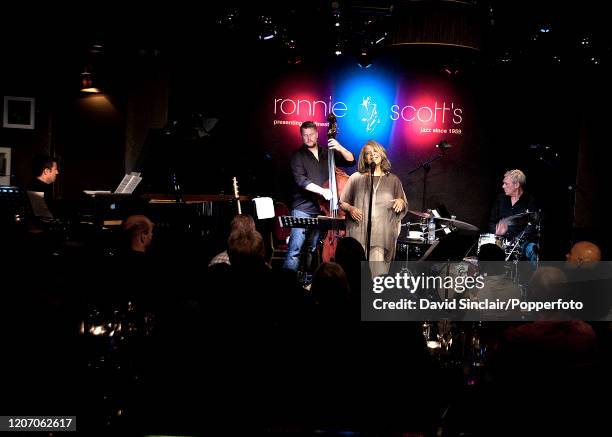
column 419, row 214
column 523, row 215
column 457, row 223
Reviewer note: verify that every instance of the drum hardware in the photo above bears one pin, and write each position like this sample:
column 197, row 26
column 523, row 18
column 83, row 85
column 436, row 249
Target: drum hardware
column 514, row 248
column 409, row 224
column 410, row 250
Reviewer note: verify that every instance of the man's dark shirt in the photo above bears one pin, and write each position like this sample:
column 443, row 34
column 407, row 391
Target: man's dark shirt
column 503, row 208
column 306, row 169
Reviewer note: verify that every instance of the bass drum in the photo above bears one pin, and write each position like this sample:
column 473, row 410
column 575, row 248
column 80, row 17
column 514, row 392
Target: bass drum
column 453, row 275
column 491, row 239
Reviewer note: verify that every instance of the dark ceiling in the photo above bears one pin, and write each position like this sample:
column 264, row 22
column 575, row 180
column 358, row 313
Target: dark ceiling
column 518, row 33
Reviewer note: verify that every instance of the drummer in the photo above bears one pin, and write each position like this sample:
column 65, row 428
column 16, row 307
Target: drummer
column 514, row 201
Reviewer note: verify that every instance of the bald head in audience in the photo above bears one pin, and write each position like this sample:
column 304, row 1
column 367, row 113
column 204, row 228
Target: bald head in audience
column 139, row 232
column 583, row 254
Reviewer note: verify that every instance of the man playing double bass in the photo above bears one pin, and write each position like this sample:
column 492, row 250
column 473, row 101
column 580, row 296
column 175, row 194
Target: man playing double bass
column 310, row 172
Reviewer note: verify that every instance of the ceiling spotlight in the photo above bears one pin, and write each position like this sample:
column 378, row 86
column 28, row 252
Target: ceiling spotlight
column 506, row 57
column 338, row 48
column 365, row 61
column 294, row 60
column 96, row 49
column 229, row 18
column 585, row 42
column 450, row 70
column 267, row 35
column 268, row 29
column 87, row 83
column 381, row 39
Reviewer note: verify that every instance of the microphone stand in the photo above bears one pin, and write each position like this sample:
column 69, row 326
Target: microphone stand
column 369, row 227
column 427, row 166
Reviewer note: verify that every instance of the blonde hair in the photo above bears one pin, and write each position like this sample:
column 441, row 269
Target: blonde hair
column 385, row 164
column 517, row 177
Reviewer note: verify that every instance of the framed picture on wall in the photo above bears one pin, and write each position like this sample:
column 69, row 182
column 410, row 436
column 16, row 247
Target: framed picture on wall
column 5, row 166
column 18, row 112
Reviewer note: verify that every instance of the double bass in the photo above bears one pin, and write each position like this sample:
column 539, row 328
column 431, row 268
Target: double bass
column 336, row 182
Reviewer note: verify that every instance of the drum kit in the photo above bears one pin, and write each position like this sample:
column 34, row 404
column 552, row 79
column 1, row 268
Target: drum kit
column 414, row 242
column 511, row 246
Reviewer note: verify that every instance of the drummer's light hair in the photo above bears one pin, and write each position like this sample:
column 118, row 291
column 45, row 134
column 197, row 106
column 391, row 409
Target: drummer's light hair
column 385, row 164
column 516, row 176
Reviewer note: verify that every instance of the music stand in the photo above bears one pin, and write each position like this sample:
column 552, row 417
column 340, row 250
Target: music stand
column 321, row 223
column 453, row 247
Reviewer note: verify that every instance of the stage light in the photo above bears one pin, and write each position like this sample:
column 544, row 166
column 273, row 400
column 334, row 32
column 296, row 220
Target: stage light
column 88, row 84
column 89, row 81
column 228, row 19
column 506, row 57
column 338, row 50
column 269, row 30
column 365, row 60
column 294, row 57
column 585, row 42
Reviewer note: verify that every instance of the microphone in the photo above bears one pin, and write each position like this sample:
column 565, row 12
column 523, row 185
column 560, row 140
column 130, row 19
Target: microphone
column 372, row 167
column 443, row 145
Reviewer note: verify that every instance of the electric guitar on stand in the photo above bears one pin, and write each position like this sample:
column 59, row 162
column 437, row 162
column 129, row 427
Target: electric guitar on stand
column 236, row 195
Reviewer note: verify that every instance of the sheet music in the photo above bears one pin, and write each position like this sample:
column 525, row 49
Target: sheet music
column 129, row 183
column 94, row 192
column 264, row 206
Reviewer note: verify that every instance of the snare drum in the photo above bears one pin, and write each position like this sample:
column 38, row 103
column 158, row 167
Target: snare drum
column 491, row 239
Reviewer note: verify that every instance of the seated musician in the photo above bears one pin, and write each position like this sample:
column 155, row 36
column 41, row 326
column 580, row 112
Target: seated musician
column 310, row 172
column 515, row 200
column 44, row 173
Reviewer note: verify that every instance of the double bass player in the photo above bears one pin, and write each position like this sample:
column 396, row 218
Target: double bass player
column 309, row 166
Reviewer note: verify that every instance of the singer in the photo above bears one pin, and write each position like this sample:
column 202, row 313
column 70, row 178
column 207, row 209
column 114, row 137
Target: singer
column 389, row 206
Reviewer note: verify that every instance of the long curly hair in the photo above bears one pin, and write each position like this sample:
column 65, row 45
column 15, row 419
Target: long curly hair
column 385, row 164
